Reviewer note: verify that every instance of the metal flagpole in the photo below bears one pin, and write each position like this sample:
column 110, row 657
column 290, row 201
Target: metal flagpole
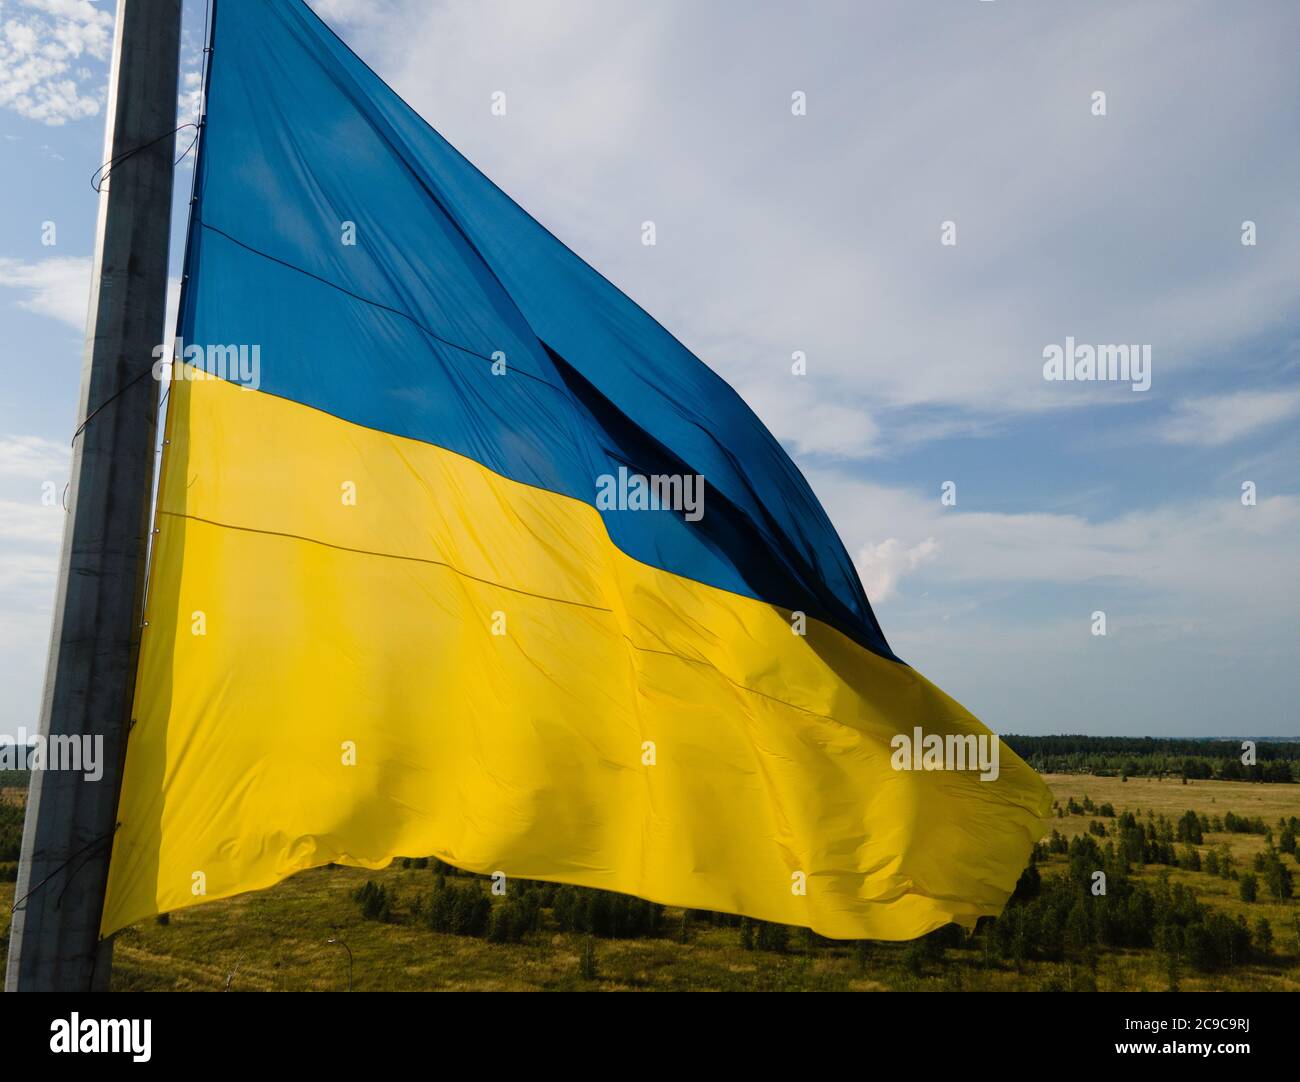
column 68, row 833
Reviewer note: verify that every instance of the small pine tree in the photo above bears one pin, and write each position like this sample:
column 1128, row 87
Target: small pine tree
column 1277, row 877
column 374, row 902
column 587, row 959
column 1078, row 933
column 1264, row 936
column 1248, row 886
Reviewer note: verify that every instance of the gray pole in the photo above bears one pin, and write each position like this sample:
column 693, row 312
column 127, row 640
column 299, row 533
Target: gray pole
column 89, row 679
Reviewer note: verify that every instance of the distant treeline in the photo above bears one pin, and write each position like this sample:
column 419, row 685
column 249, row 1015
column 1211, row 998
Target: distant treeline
column 1146, row 756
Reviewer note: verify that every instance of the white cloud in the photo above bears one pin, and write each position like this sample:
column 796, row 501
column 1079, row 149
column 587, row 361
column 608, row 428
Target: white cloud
column 33, row 458
column 42, row 43
column 883, row 564
column 188, row 101
column 357, row 13
column 29, row 555
column 1208, row 559
column 31, row 523
column 33, row 474
column 58, row 287
column 1218, row 419
column 806, row 423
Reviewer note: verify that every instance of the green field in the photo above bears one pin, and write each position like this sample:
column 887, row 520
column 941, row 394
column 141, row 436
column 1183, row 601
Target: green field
column 278, row 938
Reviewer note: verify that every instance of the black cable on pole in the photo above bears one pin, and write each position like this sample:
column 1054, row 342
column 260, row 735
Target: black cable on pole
column 109, row 401
column 108, row 837
column 100, row 175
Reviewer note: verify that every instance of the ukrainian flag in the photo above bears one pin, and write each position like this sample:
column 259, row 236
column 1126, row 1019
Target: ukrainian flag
column 388, row 614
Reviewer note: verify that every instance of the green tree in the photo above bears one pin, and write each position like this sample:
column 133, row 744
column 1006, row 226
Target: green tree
column 1277, row 877
column 1248, row 887
column 1263, row 936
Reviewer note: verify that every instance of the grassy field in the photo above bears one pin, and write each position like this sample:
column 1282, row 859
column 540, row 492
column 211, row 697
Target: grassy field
column 278, row 939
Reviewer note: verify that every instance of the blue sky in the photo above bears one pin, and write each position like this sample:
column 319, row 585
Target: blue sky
column 821, row 233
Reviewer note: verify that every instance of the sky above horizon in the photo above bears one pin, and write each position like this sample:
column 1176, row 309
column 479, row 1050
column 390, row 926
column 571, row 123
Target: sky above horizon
column 821, row 233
